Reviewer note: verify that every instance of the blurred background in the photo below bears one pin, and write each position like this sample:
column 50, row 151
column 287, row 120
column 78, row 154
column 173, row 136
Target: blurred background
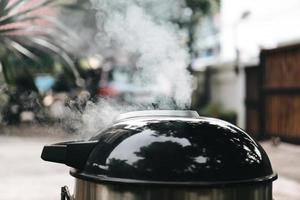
column 68, row 67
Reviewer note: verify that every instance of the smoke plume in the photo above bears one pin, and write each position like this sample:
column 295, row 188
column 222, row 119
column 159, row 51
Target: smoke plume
column 143, row 29
column 140, row 28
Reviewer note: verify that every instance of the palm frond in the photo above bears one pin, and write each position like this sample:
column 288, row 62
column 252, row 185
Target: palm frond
column 15, row 5
column 9, row 30
column 19, row 16
column 3, row 6
column 23, row 50
column 18, row 31
column 60, row 52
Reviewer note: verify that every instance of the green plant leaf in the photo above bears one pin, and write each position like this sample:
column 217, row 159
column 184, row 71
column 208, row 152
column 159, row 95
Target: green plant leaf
column 23, row 50
column 9, row 30
column 3, row 5
column 42, row 42
column 15, row 17
column 19, row 36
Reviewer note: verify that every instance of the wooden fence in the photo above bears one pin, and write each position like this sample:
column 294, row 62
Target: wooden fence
column 280, row 93
column 253, row 100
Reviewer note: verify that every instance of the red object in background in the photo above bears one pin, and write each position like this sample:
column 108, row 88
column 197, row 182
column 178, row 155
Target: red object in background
column 107, row 91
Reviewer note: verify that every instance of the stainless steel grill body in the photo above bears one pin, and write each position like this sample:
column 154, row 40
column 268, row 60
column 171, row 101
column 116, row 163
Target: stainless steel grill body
column 86, row 190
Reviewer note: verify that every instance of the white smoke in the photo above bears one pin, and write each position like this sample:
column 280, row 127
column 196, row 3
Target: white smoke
column 142, row 28
column 94, row 117
column 137, row 28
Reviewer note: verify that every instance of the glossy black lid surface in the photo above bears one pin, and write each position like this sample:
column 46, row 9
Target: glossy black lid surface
column 178, row 148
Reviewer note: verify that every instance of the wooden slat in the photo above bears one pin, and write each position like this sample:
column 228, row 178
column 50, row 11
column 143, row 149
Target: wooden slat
column 253, row 122
column 282, row 69
column 252, row 84
column 282, row 115
column 252, row 100
column 281, row 92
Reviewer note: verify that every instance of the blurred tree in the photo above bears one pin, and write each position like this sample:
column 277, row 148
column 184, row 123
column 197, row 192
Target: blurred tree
column 28, row 27
column 199, row 9
column 82, row 20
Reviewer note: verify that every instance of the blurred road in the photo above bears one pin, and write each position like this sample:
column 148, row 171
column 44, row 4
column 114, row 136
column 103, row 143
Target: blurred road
column 24, row 176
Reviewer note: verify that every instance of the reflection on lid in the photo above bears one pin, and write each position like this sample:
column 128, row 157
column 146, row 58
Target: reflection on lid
column 181, row 149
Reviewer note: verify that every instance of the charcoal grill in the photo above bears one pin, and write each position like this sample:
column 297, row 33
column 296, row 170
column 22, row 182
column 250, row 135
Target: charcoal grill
column 166, row 155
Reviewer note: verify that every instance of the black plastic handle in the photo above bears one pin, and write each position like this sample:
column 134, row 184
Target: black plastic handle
column 73, row 153
column 65, row 194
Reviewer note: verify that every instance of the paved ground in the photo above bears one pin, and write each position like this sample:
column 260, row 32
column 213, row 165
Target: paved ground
column 24, row 176
column 285, row 160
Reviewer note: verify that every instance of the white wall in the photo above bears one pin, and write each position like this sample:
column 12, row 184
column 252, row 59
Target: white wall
column 227, row 89
column 269, row 24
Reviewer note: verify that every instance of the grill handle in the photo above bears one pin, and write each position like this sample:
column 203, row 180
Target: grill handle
column 73, row 153
column 65, row 194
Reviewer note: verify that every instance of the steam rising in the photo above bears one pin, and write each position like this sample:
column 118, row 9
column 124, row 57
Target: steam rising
column 161, row 59
column 140, row 28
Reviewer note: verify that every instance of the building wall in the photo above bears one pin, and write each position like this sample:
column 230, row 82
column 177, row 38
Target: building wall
column 228, row 90
column 268, row 24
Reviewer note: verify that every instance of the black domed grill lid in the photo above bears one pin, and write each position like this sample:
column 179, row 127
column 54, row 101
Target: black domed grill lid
column 172, row 149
